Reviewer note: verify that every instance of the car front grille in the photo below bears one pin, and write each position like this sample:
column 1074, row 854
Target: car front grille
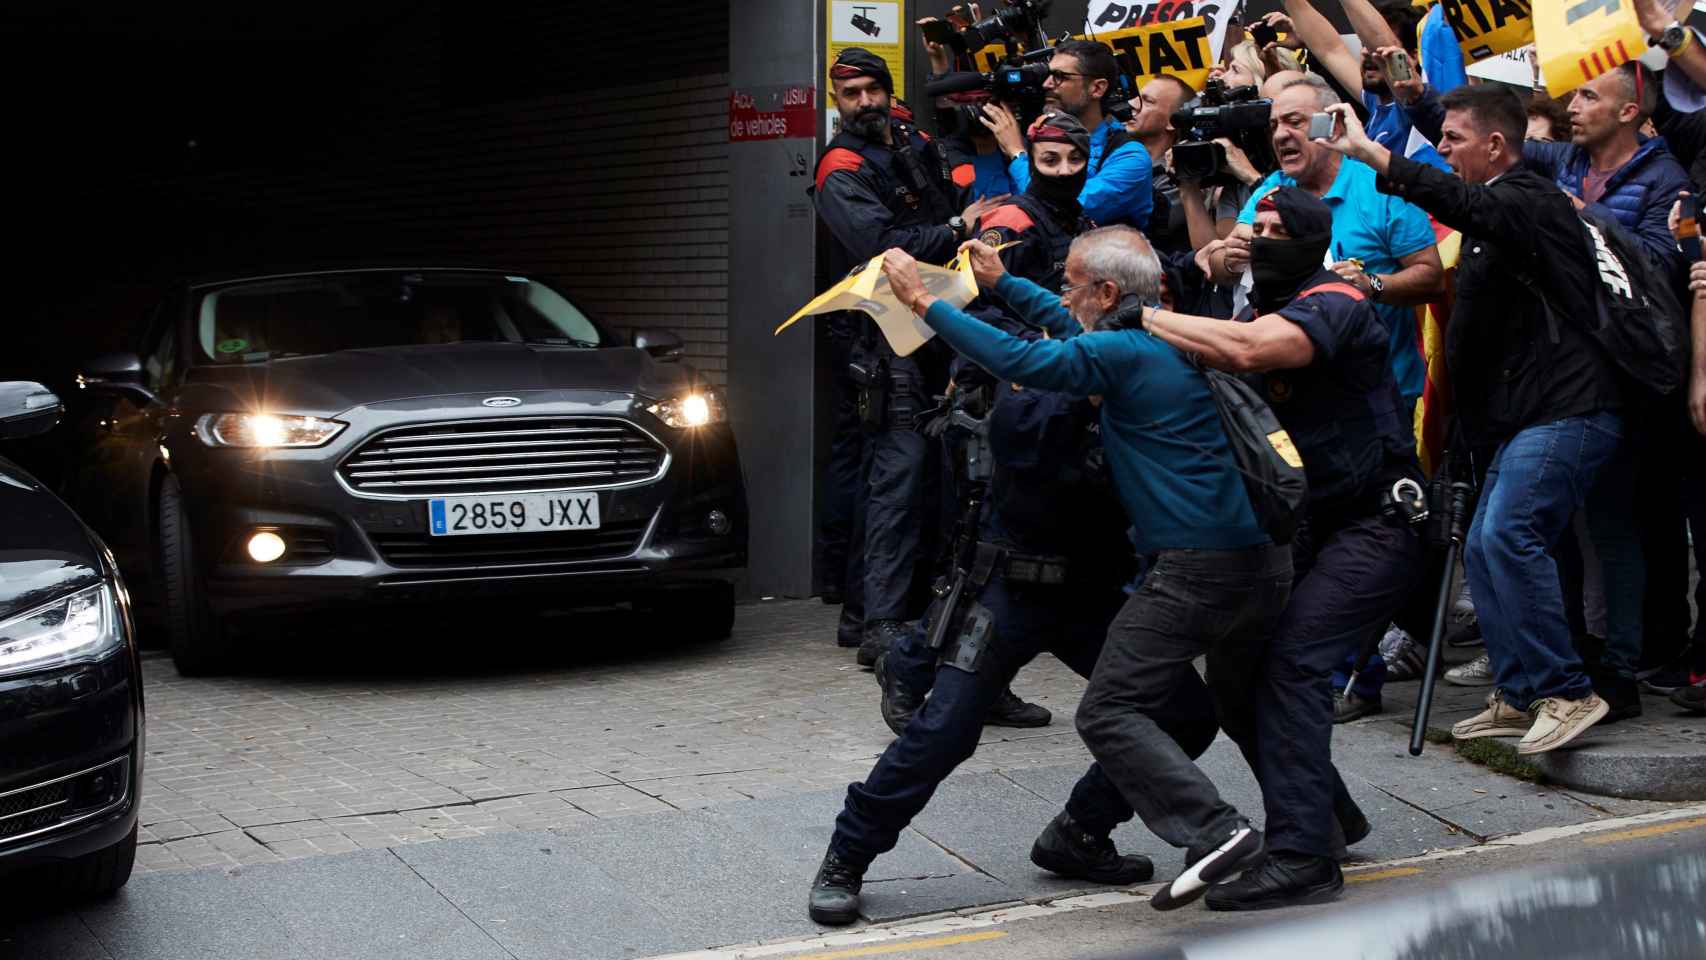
column 501, row 549
column 38, row 809
column 508, row 456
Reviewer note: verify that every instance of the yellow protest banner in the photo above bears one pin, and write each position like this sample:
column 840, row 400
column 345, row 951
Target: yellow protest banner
column 1578, row 40
column 868, row 291
column 1179, row 47
column 1487, row 28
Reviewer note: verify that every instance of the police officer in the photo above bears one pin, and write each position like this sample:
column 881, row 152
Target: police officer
column 1319, row 353
column 1044, row 571
column 879, row 185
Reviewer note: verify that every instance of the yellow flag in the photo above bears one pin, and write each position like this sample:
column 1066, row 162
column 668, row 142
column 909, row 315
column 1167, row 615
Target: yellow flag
column 1578, row 40
column 1178, row 47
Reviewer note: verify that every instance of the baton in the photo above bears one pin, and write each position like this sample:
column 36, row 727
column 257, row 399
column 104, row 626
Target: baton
column 1459, row 506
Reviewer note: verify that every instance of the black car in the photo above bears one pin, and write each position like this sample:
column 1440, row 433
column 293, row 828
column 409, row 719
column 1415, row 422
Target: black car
column 321, row 440
column 71, row 726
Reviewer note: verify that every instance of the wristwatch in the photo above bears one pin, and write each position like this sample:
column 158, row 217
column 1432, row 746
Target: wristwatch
column 957, row 224
column 1674, row 39
column 1376, row 286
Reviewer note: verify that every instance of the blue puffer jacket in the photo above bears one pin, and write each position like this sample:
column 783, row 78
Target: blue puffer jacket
column 1638, row 196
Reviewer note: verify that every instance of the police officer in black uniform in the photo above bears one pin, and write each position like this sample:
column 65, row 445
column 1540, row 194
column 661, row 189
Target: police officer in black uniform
column 1319, row 353
column 1044, row 571
column 880, row 185
column 1041, row 222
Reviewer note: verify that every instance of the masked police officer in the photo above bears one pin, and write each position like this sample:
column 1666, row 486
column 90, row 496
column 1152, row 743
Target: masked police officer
column 879, row 185
column 1320, row 353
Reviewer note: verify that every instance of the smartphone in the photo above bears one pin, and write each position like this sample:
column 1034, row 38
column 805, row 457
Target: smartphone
column 938, row 31
column 1321, row 126
column 1399, row 68
column 1263, row 35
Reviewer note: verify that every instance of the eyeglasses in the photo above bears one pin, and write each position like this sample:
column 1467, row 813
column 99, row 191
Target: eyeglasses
column 1079, row 286
column 1061, row 76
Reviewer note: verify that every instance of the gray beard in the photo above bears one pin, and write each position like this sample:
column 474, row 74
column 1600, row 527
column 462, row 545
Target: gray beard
column 868, row 127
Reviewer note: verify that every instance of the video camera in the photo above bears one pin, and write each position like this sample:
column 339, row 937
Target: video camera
column 1239, row 114
column 1017, row 84
column 1021, row 23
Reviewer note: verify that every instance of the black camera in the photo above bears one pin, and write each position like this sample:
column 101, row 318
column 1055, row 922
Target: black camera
column 1239, row 114
column 1018, row 84
column 1019, row 22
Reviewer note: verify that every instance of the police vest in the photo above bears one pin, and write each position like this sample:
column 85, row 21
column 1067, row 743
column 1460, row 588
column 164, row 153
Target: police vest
column 1041, row 255
column 911, row 183
column 1050, row 492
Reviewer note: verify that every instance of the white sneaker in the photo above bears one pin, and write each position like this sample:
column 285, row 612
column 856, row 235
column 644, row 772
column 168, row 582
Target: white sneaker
column 1558, row 721
column 1500, row 719
column 1476, row 673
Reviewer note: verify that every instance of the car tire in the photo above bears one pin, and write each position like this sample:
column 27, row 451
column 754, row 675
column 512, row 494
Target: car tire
column 195, row 636
column 94, row 875
column 698, row 614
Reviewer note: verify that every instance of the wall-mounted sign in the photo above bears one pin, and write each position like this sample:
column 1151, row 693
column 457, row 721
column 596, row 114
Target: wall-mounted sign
column 773, row 113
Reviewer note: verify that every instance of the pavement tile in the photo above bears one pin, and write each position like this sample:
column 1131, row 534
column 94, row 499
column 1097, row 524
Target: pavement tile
column 191, row 915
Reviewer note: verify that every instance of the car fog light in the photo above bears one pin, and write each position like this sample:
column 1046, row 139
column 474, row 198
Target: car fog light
column 266, row 546
column 718, row 521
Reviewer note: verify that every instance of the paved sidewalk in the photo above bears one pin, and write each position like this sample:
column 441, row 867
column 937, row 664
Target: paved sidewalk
column 647, row 801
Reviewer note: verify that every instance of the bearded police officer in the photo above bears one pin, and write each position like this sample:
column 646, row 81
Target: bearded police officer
column 1320, row 354
column 880, row 185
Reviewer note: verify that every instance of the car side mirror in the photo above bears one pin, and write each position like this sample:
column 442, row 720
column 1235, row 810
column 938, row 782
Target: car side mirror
column 116, row 374
column 661, row 344
column 27, row 409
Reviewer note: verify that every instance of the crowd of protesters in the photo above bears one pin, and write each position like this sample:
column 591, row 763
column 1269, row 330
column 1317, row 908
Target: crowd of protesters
column 1422, row 277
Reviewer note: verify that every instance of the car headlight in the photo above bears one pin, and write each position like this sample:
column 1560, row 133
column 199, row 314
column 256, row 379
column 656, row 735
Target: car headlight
column 691, row 409
column 79, row 627
column 265, row 430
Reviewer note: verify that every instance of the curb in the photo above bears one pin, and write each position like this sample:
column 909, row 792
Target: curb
column 1655, row 773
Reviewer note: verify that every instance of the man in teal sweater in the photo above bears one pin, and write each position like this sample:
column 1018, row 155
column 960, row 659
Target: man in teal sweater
column 1214, row 583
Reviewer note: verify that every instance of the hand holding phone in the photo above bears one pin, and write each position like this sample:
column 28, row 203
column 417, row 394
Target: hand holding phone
column 1321, row 126
column 1263, row 34
column 1398, row 66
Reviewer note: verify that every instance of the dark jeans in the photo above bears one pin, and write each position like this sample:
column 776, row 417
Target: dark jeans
column 1351, row 579
column 1069, row 622
column 1534, row 485
column 1223, row 603
column 1610, row 516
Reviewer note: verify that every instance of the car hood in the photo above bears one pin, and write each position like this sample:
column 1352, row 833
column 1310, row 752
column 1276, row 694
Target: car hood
column 45, row 551
column 331, row 383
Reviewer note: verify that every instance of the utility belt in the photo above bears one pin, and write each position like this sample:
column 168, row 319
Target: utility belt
column 887, row 399
column 963, row 638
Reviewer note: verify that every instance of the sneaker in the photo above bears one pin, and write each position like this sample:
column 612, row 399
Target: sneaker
column 1691, row 698
column 1666, row 679
column 1349, row 706
column 849, row 629
column 1242, row 849
column 1467, row 635
column 1406, row 661
column 1476, row 673
column 834, row 899
column 1066, row 849
column 879, row 636
column 898, row 704
column 1009, row 711
column 1558, row 721
column 1282, row 880
column 1500, row 719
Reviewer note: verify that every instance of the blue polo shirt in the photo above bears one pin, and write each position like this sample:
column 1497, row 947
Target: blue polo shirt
column 1117, row 190
column 1380, row 230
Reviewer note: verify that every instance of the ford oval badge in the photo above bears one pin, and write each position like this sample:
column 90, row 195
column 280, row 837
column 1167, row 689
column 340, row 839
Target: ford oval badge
column 501, row 402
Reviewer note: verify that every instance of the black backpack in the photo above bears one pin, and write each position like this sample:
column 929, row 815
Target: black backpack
column 1637, row 319
column 1263, row 452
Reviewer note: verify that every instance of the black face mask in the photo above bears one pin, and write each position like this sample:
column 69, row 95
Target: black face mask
column 1059, row 193
column 1280, row 268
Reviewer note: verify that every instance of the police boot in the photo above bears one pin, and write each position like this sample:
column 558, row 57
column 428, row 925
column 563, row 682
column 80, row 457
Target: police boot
column 1282, row 880
column 1067, row 849
column 1009, row 711
column 850, row 629
column 898, row 703
column 834, row 899
column 880, row 635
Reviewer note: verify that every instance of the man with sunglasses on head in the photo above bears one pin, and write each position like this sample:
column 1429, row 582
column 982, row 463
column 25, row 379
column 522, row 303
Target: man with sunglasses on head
column 1081, row 75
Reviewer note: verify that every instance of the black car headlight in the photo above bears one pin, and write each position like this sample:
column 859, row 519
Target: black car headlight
column 82, row 626
column 696, row 409
column 265, row 430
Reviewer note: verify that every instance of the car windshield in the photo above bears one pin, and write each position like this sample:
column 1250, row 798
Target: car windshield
column 300, row 316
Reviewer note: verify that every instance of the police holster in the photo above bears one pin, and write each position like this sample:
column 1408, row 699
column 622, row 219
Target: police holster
column 972, row 569
column 871, row 375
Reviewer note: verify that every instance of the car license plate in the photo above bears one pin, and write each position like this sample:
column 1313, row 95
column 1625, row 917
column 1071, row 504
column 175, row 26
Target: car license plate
column 523, row 513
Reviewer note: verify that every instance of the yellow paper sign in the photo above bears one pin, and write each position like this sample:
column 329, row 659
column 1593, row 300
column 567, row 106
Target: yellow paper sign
column 1578, row 40
column 877, row 25
column 1487, row 28
column 868, row 291
column 1179, row 47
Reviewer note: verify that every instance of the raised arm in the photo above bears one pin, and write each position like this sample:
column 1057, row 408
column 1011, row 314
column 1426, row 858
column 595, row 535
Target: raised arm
column 1324, row 42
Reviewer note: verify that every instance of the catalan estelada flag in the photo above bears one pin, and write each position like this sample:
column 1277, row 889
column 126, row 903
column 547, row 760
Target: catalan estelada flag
column 1432, row 319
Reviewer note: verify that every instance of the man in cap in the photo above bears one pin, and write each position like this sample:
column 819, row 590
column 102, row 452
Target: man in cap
column 1319, row 354
column 879, row 185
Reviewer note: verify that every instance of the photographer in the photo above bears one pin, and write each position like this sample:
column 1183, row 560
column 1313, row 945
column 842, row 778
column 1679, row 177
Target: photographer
column 1319, row 351
column 1215, row 582
column 880, row 185
column 1152, row 124
column 968, row 148
column 1532, row 385
column 1081, row 74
